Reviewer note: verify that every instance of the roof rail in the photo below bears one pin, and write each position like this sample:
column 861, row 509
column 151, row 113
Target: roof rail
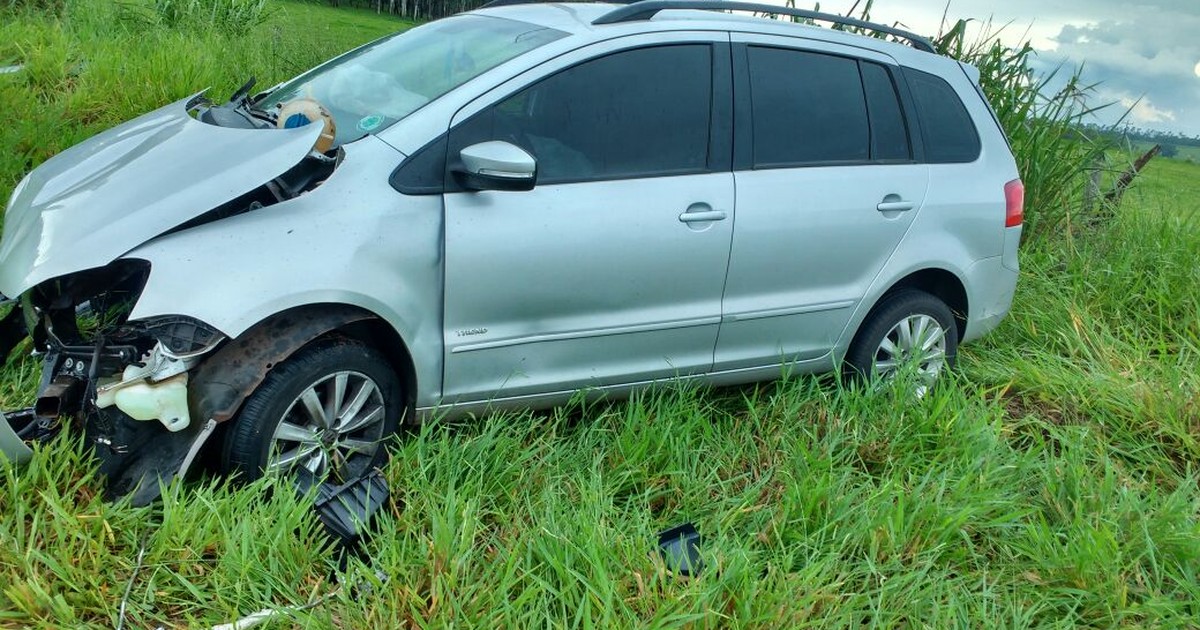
column 647, row 9
column 504, row 3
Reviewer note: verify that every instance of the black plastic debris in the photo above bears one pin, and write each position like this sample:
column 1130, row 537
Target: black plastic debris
column 29, row 427
column 680, row 549
column 346, row 510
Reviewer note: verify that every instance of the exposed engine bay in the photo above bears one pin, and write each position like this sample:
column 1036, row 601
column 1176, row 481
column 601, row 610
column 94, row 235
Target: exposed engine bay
column 240, row 112
column 109, row 377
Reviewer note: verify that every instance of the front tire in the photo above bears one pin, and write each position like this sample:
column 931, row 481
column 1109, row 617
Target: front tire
column 329, row 409
column 909, row 331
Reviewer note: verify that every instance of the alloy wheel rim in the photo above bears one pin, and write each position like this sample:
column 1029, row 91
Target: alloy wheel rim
column 333, row 427
column 917, row 342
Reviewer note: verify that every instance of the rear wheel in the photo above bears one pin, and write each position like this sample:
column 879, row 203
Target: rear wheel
column 328, row 410
column 909, row 333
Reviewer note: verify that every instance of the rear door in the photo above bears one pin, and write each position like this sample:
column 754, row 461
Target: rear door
column 827, row 186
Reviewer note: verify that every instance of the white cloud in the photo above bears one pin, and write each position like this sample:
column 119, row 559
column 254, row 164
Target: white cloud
column 1143, row 112
column 1144, row 49
column 1148, row 68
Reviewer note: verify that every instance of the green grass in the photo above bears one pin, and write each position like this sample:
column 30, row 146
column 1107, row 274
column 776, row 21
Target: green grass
column 1189, row 154
column 1054, row 484
column 1171, row 188
column 1184, row 153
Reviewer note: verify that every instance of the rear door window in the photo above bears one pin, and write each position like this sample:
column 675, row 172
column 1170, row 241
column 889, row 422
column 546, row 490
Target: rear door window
column 808, row 108
column 889, row 132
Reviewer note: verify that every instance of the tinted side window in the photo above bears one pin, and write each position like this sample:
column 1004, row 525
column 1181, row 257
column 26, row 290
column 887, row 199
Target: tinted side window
column 642, row 112
column 949, row 133
column 807, row 108
column 889, row 133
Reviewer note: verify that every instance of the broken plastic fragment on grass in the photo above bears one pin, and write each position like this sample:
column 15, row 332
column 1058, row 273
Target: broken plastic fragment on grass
column 680, row 549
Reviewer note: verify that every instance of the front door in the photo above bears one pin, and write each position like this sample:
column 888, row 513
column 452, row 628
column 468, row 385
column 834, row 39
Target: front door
column 611, row 269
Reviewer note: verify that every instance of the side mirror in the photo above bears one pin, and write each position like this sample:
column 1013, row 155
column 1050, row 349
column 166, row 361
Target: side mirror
column 496, row 165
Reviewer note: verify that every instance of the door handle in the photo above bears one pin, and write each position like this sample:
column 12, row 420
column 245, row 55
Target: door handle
column 703, row 215
column 895, row 206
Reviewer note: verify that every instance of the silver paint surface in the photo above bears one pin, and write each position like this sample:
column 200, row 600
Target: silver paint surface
column 90, row 204
column 353, row 240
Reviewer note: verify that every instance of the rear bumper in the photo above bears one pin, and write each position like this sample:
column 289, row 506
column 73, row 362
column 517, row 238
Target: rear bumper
column 12, row 447
column 991, row 285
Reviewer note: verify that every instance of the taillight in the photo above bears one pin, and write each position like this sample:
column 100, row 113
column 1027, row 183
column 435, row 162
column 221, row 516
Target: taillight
column 1014, row 199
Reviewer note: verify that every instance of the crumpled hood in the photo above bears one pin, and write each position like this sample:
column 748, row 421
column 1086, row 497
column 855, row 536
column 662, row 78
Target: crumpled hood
column 90, row 204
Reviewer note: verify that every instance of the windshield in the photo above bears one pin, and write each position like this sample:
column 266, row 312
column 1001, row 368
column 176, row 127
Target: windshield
column 372, row 87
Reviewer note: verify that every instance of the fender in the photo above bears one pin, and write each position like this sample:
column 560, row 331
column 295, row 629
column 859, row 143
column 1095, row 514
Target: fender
column 353, row 240
column 224, row 380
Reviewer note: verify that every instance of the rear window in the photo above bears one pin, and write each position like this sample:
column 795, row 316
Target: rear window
column 949, row 133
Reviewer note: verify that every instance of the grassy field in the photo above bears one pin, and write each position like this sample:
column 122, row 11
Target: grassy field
column 1054, row 484
column 1183, row 154
column 1190, row 154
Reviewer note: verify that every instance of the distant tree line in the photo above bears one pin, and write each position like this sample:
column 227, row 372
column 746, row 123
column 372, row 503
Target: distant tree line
column 1128, row 135
column 414, row 9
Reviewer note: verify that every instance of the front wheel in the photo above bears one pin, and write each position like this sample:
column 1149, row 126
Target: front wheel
column 909, row 332
column 329, row 409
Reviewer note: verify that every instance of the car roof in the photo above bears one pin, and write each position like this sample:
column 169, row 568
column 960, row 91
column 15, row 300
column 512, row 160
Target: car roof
column 577, row 18
column 570, row 17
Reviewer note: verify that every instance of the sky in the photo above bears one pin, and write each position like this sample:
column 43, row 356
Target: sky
column 1144, row 53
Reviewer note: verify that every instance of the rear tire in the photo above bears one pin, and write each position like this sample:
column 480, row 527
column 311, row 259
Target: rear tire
column 907, row 330
column 330, row 408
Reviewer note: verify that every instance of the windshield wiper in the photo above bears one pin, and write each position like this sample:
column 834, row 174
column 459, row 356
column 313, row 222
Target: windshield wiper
column 239, row 97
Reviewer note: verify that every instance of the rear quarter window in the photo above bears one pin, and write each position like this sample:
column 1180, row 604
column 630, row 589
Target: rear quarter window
column 949, row 134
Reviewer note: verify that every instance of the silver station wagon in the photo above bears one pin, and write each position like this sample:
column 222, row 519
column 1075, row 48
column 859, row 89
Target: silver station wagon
column 499, row 209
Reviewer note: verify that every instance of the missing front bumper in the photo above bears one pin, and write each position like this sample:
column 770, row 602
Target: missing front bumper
column 134, row 457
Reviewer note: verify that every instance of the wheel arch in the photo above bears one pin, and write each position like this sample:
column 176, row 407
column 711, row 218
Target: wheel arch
column 940, row 282
column 379, row 334
column 221, row 384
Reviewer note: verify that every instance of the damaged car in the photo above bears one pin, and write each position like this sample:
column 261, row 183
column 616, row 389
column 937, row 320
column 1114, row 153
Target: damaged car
column 500, row 209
